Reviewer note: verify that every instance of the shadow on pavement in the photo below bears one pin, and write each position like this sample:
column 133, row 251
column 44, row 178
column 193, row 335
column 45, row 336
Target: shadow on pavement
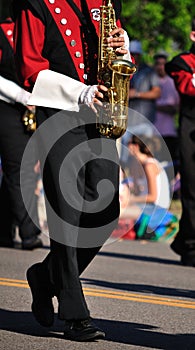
column 145, row 336
column 142, row 288
column 140, row 258
column 116, row 331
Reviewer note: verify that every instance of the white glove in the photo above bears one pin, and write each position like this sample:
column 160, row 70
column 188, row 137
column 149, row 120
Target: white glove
column 23, row 97
column 13, row 92
column 87, row 95
column 127, row 56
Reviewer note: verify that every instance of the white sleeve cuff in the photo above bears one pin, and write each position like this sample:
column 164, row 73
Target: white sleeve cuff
column 12, row 92
column 56, row 90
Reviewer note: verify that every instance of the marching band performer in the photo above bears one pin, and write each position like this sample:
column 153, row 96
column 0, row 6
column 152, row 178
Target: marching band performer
column 57, row 56
column 13, row 140
column 181, row 69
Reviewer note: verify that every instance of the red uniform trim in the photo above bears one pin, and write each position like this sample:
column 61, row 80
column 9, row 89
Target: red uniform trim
column 8, row 29
column 70, row 31
column 59, row 11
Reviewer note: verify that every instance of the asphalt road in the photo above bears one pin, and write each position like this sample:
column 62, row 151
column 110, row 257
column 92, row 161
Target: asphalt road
column 137, row 292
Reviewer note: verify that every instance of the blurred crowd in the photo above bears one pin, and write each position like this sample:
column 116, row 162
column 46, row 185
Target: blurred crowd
column 149, row 151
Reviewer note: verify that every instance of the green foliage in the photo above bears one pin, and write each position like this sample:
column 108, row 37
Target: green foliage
column 162, row 24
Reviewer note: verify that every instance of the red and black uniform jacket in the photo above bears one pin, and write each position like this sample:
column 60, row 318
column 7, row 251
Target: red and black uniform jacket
column 181, row 69
column 49, row 35
column 7, row 63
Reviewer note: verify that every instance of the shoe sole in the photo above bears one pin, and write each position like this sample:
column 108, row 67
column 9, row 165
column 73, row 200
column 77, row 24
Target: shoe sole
column 86, row 337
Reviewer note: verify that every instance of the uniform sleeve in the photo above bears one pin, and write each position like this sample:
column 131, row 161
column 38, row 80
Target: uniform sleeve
column 11, row 92
column 29, row 42
column 49, row 89
column 183, row 79
column 184, row 82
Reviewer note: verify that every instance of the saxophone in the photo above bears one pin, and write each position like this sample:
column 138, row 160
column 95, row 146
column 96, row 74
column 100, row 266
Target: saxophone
column 113, row 72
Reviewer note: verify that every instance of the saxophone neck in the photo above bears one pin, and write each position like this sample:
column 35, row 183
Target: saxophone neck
column 107, row 3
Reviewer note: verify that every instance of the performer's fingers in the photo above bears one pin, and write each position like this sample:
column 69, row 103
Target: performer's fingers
column 102, row 87
column 117, row 31
column 121, row 50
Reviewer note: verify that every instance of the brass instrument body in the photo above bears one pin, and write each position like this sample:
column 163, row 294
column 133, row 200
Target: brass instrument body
column 113, row 72
column 29, row 120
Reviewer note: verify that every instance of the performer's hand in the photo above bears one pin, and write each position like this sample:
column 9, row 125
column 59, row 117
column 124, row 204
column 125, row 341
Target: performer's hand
column 133, row 94
column 92, row 95
column 31, row 108
column 99, row 94
column 117, row 41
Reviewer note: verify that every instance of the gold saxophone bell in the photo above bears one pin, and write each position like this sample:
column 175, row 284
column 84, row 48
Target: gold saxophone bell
column 29, row 120
column 114, row 72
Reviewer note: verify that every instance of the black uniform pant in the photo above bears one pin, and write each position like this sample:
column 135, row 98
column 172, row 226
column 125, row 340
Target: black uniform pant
column 78, row 234
column 187, row 169
column 13, row 141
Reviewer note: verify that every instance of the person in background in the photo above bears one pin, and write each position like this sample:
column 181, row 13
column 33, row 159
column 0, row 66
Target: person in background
column 150, row 199
column 144, row 86
column 181, row 69
column 143, row 93
column 153, row 190
column 13, row 140
column 167, row 105
column 62, row 58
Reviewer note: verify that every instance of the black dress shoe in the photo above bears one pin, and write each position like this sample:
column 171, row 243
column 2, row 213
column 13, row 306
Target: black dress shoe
column 32, row 243
column 188, row 259
column 82, row 330
column 178, row 246
column 7, row 244
column 186, row 250
column 42, row 306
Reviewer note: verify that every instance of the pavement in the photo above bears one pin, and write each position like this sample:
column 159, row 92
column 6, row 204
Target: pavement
column 137, row 292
